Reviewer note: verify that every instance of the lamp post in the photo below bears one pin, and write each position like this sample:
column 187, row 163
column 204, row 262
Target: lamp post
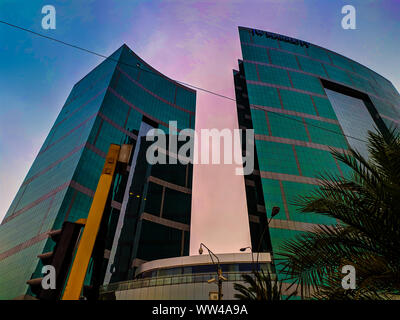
column 252, row 255
column 275, row 211
column 219, row 270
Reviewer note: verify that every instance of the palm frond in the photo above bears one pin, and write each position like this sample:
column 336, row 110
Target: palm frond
column 367, row 206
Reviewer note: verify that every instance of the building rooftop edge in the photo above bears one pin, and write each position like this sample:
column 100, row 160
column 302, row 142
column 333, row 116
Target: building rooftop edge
column 155, row 70
column 124, row 46
column 315, row 45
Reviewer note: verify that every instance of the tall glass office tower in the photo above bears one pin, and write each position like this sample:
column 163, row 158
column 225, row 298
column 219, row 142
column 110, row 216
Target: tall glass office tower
column 301, row 100
column 117, row 102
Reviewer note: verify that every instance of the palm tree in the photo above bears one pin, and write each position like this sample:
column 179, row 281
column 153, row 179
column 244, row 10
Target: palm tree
column 261, row 287
column 367, row 204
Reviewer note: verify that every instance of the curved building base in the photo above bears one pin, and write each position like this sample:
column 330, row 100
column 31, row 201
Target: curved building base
column 186, row 278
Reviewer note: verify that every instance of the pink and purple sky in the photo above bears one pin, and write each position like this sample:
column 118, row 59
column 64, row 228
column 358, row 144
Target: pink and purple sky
column 193, row 41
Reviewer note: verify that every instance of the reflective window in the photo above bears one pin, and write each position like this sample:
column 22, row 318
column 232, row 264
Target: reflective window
column 354, row 119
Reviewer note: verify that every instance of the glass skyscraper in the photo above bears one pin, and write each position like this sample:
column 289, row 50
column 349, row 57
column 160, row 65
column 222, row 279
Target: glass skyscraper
column 301, row 100
column 117, row 102
column 155, row 223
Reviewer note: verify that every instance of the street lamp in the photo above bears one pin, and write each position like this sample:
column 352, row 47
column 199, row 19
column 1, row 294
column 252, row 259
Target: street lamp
column 252, row 254
column 275, row 211
column 219, row 270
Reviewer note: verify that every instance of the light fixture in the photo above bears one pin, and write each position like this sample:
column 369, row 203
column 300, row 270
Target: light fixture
column 275, row 211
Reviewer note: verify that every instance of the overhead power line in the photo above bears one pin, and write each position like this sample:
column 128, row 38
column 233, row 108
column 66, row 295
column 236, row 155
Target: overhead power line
column 154, row 73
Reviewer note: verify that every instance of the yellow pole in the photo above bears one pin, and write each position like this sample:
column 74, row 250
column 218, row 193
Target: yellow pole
column 88, row 239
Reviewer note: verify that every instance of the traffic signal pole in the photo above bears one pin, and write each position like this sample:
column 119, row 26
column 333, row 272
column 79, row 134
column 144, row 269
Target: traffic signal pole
column 60, row 259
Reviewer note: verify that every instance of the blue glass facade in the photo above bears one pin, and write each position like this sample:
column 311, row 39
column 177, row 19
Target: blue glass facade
column 106, row 106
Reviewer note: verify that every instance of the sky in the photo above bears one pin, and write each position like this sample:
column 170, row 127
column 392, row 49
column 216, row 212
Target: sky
column 192, row 41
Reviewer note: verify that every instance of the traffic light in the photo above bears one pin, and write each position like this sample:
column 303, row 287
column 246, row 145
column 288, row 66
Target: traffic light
column 73, row 251
column 60, row 258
